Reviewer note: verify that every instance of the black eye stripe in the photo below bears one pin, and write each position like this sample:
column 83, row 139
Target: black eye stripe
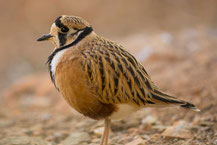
column 58, row 22
column 62, row 39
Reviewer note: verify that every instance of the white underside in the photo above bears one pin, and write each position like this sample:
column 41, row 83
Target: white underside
column 56, row 59
column 123, row 111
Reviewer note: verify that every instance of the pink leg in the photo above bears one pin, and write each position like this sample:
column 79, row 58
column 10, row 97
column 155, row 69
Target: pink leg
column 104, row 139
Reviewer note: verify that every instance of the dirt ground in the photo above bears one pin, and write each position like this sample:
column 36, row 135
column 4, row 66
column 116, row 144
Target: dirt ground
column 183, row 64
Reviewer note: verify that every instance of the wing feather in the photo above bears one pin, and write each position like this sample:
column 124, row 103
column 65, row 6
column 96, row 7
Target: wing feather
column 117, row 76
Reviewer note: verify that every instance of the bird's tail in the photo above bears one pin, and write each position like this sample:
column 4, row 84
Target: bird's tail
column 159, row 98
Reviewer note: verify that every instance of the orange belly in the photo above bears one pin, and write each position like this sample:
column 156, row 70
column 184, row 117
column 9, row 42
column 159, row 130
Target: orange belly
column 72, row 83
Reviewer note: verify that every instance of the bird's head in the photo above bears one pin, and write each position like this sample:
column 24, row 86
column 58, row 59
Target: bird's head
column 66, row 30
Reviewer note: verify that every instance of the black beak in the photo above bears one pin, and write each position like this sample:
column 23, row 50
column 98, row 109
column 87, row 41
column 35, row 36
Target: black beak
column 44, row 37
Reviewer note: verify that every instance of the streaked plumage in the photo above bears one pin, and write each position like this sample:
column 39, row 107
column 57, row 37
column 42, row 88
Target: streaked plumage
column 98, row 77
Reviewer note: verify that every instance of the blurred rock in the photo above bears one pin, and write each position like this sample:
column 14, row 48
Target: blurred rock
column 23, row 140
column 179, row 130
column 38, row 101
column 138, row 141
column 132, row 131
column 96, row 140
column 57, row 137
column 6, row 123
column 34, row 92
column 77, row 138
column 159, row 127
column 149, row 120
column 38, row 141
column 99, row 131
column 146, row 137
column 15, row 141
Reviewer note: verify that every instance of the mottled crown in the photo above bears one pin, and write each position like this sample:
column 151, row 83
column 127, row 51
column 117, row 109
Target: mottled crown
column 71, row 22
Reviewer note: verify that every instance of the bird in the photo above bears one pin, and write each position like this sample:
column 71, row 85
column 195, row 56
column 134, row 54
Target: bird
column 98, row 77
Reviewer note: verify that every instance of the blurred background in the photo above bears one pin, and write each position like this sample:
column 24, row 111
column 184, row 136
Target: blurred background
column 175, row 40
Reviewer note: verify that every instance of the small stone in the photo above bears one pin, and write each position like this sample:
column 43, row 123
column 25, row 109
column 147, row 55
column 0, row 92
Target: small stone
column 99, row 131
column 6, row 123
column 96, row 140
column 146, row 137
column 23, row 140
column 57, row 137
column 132, row 123
column 149, row 120
column 179, row 130
column 37, row 141
column 37, row 101
column 138, row 141
column 94, row 144
column 132, row 130
column 77, row 138
column 159, row 127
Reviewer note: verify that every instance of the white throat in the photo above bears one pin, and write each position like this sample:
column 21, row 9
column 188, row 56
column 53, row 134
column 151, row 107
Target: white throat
column 55, row 61
column 57, row 57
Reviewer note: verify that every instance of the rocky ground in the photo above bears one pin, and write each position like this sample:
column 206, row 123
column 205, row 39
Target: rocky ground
column 183, row 64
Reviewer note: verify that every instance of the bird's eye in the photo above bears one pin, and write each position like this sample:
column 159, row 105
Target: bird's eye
column 64, row 29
